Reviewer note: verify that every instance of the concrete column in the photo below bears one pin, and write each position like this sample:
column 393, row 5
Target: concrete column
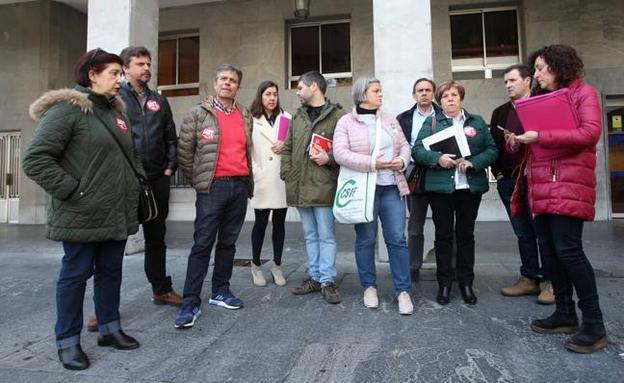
column 116, row 24
column 403, row 53
column 402, row 40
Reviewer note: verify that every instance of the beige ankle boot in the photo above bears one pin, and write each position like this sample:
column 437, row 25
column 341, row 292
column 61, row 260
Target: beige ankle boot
column 278, row 276
column 524, row 286
column 257, row 275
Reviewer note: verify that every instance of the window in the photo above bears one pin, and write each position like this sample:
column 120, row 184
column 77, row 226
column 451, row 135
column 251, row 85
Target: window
column 484, row 39
column 178, row 65
column 322, row 46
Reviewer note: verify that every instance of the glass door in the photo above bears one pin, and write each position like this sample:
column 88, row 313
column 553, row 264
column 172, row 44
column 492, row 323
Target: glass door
column 614, row 111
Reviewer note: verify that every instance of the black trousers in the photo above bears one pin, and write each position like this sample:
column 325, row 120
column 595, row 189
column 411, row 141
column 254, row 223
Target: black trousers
column 561, row 240
column 455, row 213
column 154, row 234
column 259, row 228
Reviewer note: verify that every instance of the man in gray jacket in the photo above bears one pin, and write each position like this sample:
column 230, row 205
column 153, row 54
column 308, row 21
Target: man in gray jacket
column 214, row 151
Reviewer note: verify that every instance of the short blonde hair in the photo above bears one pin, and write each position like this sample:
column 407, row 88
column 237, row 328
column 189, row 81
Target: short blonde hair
column 446, row 85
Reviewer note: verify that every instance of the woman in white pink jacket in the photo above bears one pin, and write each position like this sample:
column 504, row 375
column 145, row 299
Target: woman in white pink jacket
column 354, row 140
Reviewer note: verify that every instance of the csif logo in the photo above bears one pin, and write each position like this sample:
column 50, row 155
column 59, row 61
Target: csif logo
column 346, row 193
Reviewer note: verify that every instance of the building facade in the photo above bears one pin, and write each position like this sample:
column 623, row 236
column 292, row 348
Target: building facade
column 398, row 41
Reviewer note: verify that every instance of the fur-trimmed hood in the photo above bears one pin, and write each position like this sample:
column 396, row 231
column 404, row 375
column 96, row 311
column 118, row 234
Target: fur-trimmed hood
column 70, row 96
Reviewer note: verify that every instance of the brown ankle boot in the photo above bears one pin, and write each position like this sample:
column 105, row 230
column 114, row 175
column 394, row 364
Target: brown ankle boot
column 546, row 296
column 524, row 286
column 171, row 298
column 92, row 324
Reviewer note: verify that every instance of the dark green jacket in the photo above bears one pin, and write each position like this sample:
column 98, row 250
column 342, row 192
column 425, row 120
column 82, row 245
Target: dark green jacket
column 483, row 154
column 93, row 191
column 307, row 184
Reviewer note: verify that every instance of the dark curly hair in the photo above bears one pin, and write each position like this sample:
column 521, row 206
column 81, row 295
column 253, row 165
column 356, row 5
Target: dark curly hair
column 563, row 62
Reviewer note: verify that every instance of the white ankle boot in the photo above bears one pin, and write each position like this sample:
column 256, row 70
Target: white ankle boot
column 257, row 275
column 278, row 276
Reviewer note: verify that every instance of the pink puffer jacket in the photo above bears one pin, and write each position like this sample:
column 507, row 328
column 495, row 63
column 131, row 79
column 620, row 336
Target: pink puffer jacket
column 352, row 146
column 566, row 185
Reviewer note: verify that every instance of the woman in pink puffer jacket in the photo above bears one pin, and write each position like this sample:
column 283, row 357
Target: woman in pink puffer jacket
column 354, row 141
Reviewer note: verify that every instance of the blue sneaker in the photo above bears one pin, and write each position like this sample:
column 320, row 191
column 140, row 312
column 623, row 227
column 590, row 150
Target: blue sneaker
column 225, row 298
column 187, row 316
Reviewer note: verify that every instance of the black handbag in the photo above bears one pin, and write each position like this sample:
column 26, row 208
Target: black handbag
column 415, row 174
column 148, row 208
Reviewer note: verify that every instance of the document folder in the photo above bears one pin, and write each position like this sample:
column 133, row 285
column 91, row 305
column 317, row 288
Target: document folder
column 552, row 111
column 448, row 141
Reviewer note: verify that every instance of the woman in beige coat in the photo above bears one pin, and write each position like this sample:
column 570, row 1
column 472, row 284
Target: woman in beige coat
column 269, row 189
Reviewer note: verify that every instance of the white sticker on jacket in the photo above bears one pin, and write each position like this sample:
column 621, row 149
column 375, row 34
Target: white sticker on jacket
column 121, row 124
column 470, row 131
column 208, row 134
column 152, row 105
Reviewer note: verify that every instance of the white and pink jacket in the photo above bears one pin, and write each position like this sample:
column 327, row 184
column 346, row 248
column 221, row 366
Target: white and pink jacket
column 352, row 147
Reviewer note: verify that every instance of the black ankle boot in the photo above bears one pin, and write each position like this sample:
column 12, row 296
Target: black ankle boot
column 73, row 358
column 557, row 323
column 468, row 295
column 444, row 295
column 118, row 340
column 591, row 337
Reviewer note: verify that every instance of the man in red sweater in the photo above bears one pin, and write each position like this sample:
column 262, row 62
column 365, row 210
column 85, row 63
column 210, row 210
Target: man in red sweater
column 214, row 152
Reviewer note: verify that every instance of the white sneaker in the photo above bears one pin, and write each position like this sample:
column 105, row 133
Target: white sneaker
column 278, row 276
column 405, row 304
column 257, row 275
column 371, row 300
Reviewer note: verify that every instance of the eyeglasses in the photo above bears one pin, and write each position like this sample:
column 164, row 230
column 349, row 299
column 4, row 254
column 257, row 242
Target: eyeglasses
column 93, row 55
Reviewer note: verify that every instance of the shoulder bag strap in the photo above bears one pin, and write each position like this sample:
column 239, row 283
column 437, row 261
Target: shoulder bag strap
column 136, row 173
column 375, row 149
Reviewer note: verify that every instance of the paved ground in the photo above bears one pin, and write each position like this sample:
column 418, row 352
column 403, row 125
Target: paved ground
column 279, row 337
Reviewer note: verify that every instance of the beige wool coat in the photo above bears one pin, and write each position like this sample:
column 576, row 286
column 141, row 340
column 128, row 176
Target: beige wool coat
column 269, row 189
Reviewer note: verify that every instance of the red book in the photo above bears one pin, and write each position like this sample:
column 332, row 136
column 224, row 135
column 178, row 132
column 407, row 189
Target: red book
column 548, row 112
column 324, row 142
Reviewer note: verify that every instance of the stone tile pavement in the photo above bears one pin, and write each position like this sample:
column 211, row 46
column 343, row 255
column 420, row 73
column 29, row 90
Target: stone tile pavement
column 279, row 337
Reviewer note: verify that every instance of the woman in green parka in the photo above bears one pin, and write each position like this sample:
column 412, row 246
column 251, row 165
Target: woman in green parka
column 93, row 197
column 455, row 186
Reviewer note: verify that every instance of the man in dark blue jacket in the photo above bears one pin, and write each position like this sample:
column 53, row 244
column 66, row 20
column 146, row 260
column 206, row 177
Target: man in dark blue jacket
column 155, row 140
column 411, row 121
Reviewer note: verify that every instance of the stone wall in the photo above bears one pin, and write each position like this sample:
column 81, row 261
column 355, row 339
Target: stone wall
column 252, row 35
column 40, row 42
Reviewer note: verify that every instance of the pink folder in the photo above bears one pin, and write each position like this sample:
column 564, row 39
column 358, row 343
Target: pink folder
column 548, row 112
column 284, row 124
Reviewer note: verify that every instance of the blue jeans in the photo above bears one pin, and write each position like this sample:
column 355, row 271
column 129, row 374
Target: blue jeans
column 219, row 215
column 80, row 262
column 320, row 239
column 524, row 229
column 391, row 211
column 561, row 239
